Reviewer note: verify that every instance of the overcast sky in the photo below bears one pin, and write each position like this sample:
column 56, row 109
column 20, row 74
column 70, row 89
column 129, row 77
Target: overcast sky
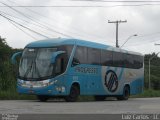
column 88, row 23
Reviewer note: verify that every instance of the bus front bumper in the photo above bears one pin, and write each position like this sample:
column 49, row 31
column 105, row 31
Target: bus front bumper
column 48, row 89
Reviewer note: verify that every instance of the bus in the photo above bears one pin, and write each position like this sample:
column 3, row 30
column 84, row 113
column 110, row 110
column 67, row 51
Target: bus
column 67, row 68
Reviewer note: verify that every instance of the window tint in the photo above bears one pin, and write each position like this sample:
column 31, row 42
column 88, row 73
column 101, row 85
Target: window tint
column 64, row 57
column 94, row 56
column 118, row 59
column 121, row 59
column 129, row 61
column 138, row 61
column 106, row 58
column 133, row 61
column 80, row 55
column 84, row 55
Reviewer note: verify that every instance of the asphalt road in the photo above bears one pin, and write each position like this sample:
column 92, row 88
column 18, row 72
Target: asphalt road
column 133, row 105
column 133, row 109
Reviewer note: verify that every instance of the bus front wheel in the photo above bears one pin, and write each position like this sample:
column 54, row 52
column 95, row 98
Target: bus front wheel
column 126, row 94
column 73, row 95
column 42, row 98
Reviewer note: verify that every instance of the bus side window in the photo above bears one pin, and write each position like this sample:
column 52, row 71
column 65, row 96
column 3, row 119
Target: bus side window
column 130, row 62
column 106, row 58
column 138, row 61
column 94, row 56
column 60, row 66
column 118, row 59
column 80, row 56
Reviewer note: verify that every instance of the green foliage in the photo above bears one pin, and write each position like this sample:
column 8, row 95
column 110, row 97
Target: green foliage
column 149, row 93
column 7, row 73
column 5, row 50
column 154, row 70
column 12, row 94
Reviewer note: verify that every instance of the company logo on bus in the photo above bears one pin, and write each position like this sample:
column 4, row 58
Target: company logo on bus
column 111, row 81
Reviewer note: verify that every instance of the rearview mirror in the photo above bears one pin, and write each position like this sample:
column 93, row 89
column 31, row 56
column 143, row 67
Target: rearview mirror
column 75, row 62
column 55, row 55
column 14, row 56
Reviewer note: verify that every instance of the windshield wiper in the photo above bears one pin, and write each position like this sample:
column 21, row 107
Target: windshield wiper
column 28, row 69
column 36, row 70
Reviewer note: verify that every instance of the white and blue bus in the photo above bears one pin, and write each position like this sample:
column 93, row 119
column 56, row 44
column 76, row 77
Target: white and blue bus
column 70, row 67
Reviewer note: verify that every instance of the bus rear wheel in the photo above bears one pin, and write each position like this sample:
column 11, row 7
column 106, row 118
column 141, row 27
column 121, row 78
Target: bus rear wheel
column 73, row 95
column 43, row 98
column 126, row 94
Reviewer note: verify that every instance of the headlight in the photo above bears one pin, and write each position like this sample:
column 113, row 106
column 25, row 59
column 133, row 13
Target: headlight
column 36, row 84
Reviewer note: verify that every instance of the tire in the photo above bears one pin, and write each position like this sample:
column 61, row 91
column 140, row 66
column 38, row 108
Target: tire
column 100, row 97
column 42, row 98
column 73, row 95
column 126, row 94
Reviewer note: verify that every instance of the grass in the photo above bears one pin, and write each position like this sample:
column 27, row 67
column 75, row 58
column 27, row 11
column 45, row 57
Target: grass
column 148, row 93
column 13, row 95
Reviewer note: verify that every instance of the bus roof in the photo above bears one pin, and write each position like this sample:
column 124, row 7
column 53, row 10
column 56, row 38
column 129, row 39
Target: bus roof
column 70, row 41
column 64, row 41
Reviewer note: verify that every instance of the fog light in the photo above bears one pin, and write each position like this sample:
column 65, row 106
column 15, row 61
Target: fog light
column 63, row 89
column 49, row 91
column 60, row 89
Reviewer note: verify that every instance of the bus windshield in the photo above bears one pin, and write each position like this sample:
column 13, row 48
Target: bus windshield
column 36, row 63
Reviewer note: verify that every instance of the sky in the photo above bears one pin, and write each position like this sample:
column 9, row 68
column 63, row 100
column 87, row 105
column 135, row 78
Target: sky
column 22, row 25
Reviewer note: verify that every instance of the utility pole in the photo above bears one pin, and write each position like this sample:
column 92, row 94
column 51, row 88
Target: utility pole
column 117, row 23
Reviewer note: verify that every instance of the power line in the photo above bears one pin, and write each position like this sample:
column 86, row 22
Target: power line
column 81, row 6
column 23, row 26
column 29, row 17
column 41, row 16
column 117, row 1
column 22, row 30
column 79, row 31
column 149, row 40
column 142, row 43
column 151, row 34
column 109, row 1
column 26, row 21
column 75, row 29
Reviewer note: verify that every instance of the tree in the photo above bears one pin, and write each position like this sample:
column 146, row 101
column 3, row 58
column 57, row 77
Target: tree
column 5, row 65
column 155, row 70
